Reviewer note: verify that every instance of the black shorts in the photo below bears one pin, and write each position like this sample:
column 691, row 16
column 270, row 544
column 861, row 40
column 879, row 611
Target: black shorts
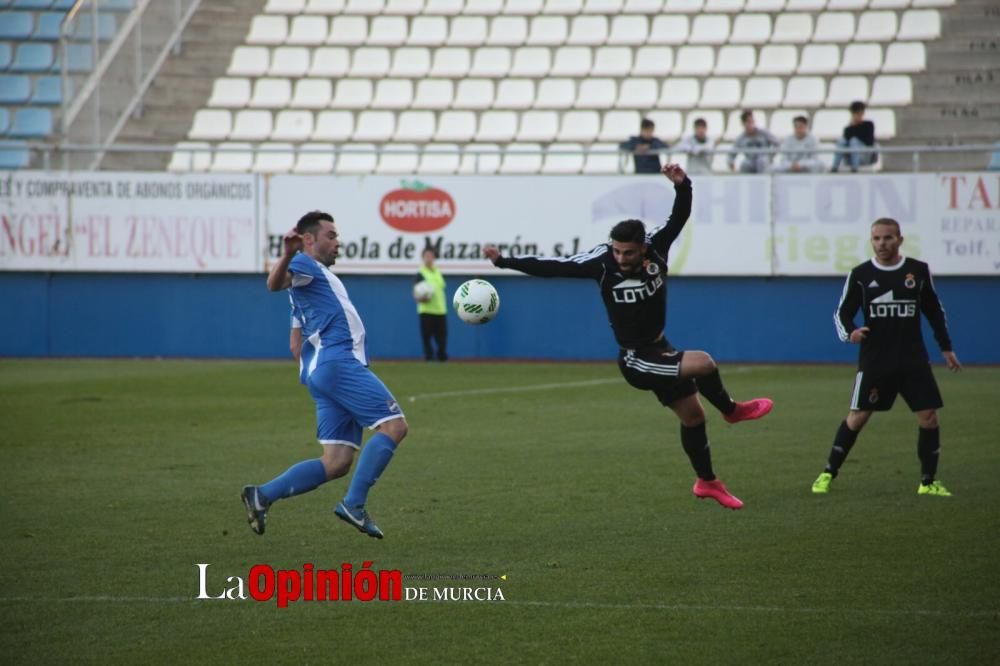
column 875, row 389
column 656, row 368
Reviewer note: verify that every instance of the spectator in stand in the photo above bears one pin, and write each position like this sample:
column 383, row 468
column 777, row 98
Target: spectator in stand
column 698, row 148
column 643, row 148
column 798, row 150
column 753, row 137
column 860, row 133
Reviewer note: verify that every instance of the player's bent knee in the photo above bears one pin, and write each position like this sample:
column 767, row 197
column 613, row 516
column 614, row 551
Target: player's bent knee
column 395, row 429
column 928, row 420
column 857, row 419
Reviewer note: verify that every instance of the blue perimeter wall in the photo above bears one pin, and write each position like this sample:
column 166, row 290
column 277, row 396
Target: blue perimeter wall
column 234, row 316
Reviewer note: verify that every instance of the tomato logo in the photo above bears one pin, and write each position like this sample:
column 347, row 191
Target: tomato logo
column 417, row 207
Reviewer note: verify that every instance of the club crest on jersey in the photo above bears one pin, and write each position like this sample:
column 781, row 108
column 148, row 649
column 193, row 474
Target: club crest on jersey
column 910, row 282
column 873, row 396
column 393, row 406
column 651, row 268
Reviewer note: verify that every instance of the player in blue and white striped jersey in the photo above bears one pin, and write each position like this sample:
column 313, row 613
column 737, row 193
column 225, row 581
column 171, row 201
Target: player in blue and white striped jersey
column 334, row 367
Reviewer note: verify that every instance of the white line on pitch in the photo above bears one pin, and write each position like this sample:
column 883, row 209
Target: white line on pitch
column 515, row 389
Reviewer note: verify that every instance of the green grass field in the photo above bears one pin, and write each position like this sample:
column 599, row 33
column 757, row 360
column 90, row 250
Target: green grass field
column 119, row 476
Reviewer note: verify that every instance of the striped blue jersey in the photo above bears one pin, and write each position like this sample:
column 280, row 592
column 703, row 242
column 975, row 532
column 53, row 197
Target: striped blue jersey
column 306, row 351
column 330, row 323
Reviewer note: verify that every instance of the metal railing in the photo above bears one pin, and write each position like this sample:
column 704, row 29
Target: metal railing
column 46, row 153
column 122, row 72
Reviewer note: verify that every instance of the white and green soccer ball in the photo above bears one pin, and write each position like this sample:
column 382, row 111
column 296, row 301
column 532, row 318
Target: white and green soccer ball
column 476, row 302
column 423, row 291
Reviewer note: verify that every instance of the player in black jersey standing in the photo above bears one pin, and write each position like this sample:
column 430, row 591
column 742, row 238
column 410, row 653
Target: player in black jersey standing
column 893, row 290
column 631, row 272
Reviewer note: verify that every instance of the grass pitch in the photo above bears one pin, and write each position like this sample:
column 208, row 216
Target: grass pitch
column 119, row 476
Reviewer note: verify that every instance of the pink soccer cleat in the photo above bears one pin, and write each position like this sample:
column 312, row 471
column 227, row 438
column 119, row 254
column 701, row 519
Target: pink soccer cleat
column 750, row 410
column 717, row 491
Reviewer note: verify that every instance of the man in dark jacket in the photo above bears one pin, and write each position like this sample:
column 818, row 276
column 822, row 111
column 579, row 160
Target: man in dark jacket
column 859, row 134
column 644, row 147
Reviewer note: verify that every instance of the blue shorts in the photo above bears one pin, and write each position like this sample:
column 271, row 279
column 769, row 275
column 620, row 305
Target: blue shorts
column 349, row 397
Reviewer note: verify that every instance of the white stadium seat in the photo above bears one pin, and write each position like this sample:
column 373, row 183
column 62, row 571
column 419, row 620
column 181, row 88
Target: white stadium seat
column 523, row 7
column 356, row 158
column 819, row 59
column 467, row 31
column 366, row 7
column 628, row 30
column 474, row 94
column 331, row 61
column 853, row 5
column 609, row 7
column 451, row 62
column 751, row 29
column 284, row 6
column 211, row 124
column 603, row 158
column 694, row 61
column 456, row 126
column 834, row 27
column 497, row 126
column 876, row 27
column 251, row 125
column 289, row 61
column 410, row 62
column 265, row 29
column 532, row 61
column 415, row 126
column 348, row 30
column 387, row 31
column 885, row 123
column 847, row 89
column 805, row 5
column 807, row 91
column 484, row 7
column 522, row 158
column 555, row 94
column 828, row 124
column 274, row 158
column 933, row 3
column 612, row 61
column 792, row 29
column 371, row 62
column 642, row 6
column 393, row 94
column 271, row 93
column 563, row 158
column 440, row 158
column 891, row 90
column 596, row 94
column 653, row 61
column 637, row 94
column 508, row 31
column 720, row 93
column 736, row 60
column 325, row 6
column 777, row 59
column 588, row 30
column 766, row 5
column 515, row 94
column 230, row 92
column 568, row 7
column 923, row 24
column 683, row 6
column 491, row 62
column 374, row 126
column 888, row 4
column 398, row 158
column 434, row 94
column 861, row 59
column 572, row 61
column 334, row 126
column 905, row 57
column 308, row 30
column 482, row 158
column 249, row 61
column 729, row 6
column 428, row 31
column 443, row 7
column 538, row 126
column 579, row 126
column 711, row 28
column 292, row 125
column 190, row 156
column 312, row 93
column 352, row 94
column 669, row 29
column 668, row 124
column 548, row 31
column 404, row 7
column 679, row 93
column 232, row 157
column 763, row 92
column 314, row 158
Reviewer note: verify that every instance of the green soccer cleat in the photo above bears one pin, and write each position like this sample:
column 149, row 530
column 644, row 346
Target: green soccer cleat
column 821, row 485
column 934, row 488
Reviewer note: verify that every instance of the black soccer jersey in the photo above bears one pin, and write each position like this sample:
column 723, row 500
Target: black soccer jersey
column 636, row 303
column 892, row 298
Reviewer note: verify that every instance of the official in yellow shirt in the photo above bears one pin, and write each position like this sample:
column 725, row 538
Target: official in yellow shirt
column 433, row 309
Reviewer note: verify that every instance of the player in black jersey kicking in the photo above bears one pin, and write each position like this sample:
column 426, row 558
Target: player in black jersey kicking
column 631, row 272
column 893, row 290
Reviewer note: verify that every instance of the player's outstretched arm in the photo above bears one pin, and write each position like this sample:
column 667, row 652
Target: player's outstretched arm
column 586, row 265
column 279, row 278
column 663, row 237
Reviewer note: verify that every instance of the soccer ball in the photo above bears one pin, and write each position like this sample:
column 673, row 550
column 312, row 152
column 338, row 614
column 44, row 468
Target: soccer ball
column 423, row 291
column 476, row 302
